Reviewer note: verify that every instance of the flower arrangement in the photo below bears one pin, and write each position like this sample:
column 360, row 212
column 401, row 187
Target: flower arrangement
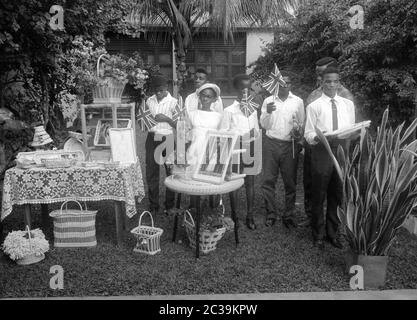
column 81, row 63
column 214, row 219
column 18, row 244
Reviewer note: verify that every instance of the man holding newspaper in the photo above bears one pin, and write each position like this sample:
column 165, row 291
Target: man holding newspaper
column 335, row 117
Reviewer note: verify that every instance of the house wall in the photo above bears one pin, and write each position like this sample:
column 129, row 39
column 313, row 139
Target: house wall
column 255, row 42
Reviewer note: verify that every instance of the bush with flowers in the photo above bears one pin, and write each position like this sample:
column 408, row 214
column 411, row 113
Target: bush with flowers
column 18, row 245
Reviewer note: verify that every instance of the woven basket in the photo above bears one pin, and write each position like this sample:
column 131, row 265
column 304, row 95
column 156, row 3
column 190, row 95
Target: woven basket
column 208, row 239
column 58, row 163
column 74, row 228
column 30, row 258
column 148, row 238
column 110, row 93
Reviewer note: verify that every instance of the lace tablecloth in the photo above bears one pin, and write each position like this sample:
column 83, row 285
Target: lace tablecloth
column 41, row 185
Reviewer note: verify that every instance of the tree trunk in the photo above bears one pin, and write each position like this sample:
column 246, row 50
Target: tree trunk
column 181, row 45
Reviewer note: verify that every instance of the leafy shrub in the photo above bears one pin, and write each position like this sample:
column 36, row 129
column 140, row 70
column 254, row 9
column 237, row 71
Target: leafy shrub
column 378, row 63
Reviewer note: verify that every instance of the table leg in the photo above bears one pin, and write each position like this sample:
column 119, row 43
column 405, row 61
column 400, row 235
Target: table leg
column 119, row 222
column 178, row 200
column 174, row 232
column 27, row 215
column 126, row 219
column 197, row 229
column 233, row 201
column 44, row 214
column 1, row 232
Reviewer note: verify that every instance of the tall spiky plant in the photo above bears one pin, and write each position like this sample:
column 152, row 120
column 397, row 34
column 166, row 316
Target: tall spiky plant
column 379, row 187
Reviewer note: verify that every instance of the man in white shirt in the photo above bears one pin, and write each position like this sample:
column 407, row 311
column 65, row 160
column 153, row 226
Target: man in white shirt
column 248, row 129
column 191, row 102
column 328, row 113
column 321, row 65
column 162, row 106
column 280, row 117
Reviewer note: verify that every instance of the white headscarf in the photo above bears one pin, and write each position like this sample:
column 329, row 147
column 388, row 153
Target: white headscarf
column 209, row 86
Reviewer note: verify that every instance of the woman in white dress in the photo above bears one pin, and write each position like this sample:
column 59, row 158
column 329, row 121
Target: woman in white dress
column 202, row 120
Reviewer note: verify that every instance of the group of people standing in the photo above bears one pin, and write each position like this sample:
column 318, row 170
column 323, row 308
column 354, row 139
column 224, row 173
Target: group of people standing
column 288, row 128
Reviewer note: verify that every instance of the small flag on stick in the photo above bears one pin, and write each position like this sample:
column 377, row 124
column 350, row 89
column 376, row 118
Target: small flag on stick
column 247, row 106
column 179, row 108
column 274, row 81
column 145, row 118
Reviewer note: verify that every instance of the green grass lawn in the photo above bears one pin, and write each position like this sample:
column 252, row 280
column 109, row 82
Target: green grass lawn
column 267, row 260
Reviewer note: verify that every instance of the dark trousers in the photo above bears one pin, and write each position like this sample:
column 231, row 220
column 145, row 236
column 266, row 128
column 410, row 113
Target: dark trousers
column 152, row 174
column 325, row 183
column 307, row 179
column 277, row 156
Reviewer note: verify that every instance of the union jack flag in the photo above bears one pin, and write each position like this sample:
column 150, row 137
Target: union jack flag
column 274, row 81
column 179, row 108
column 146, row 119
column 247, row 106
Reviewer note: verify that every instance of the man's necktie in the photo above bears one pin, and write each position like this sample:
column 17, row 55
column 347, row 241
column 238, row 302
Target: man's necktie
column 334, row 115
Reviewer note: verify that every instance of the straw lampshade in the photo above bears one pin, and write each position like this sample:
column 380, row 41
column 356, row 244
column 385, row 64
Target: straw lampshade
column 41, row 137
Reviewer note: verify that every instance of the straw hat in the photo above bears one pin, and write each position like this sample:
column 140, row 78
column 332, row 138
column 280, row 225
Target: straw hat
column 41, row 137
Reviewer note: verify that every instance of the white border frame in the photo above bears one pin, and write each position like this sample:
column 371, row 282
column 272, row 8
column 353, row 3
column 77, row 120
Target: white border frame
column 107, row 120
column 198, row 175
column 123, row 139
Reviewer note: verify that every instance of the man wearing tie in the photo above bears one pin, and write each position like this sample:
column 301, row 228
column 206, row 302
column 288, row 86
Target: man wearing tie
column 328, row 113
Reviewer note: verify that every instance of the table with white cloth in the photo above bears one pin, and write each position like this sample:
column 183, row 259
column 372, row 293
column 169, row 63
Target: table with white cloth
column 43, row 186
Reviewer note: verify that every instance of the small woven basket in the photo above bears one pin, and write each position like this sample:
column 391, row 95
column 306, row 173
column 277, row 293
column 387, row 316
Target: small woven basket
column 110, row 93
column 148, row 237
column 30, row 258
column 74, row 228
column 58, row 163
column 208, row 239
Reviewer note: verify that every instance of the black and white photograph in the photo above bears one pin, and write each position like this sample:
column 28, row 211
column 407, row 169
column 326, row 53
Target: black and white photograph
column 264, row 150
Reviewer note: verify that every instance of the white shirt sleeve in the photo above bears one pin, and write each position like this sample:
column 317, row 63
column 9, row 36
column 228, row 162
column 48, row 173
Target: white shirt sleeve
column 300, row 115
column 310, row 132
column 266, row 118
column 352, row 112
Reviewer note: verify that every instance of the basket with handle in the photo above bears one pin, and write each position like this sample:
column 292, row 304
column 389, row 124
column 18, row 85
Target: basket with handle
column 74, row 228
column 208, row 238
column 111, row 92
column 30, row 258
column 148, row 237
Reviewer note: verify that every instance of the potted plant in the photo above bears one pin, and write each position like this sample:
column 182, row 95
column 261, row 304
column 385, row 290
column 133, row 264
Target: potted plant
column 93, row 69
column 379, row 192
column 26, row 247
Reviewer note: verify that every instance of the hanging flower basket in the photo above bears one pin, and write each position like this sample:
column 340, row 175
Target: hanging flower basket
column 26, row 247
column 109, row 90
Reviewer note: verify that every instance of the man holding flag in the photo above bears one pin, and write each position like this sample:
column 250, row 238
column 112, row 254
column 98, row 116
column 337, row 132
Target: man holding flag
column 282, row 117
column 158, row 118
